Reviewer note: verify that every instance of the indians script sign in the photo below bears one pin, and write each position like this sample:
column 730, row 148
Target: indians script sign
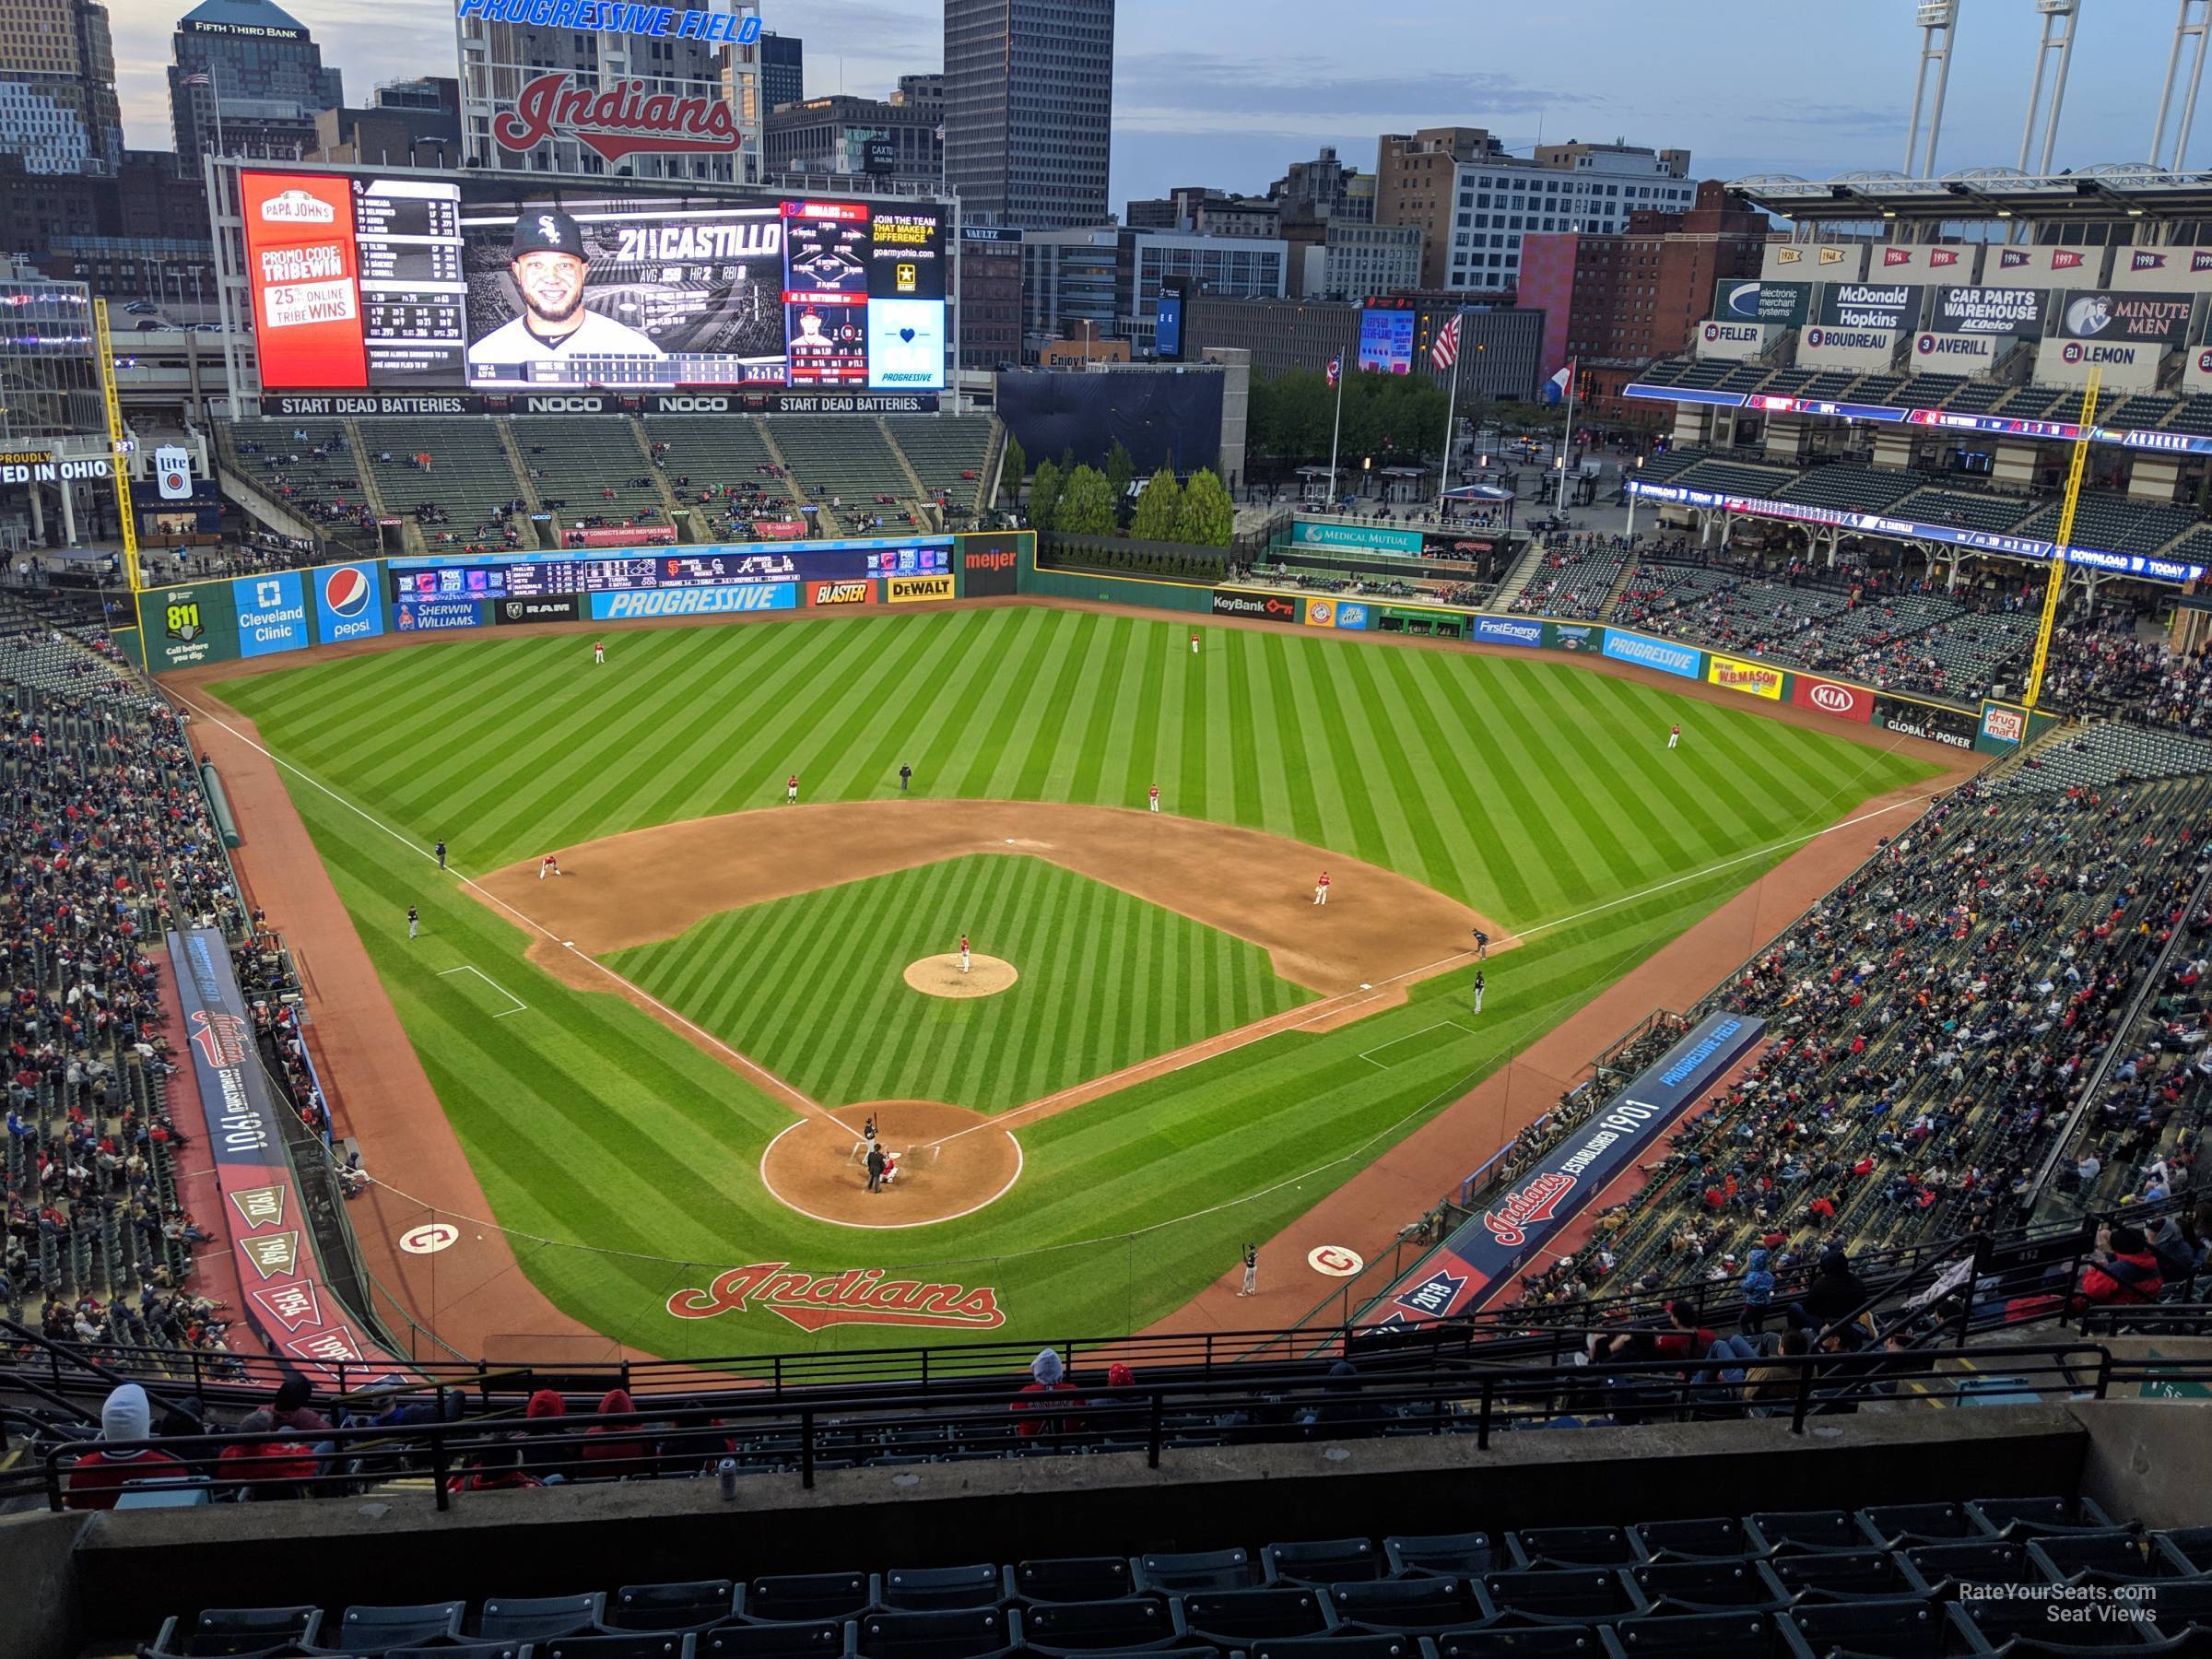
column 857, row 1296
column 615, row 121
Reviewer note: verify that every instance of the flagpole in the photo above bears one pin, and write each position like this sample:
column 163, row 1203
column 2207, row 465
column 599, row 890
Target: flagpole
column 1566, row 431
column 1451, row 431
column 1337, row 428
column 215, row 84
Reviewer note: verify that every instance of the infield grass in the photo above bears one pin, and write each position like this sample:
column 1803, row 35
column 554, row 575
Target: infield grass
column 1536, row 791
column 812, row 987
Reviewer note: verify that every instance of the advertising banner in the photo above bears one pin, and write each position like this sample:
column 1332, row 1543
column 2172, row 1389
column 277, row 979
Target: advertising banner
column 2125, row 365
column 2017, row 311
column 435, row 616
column 303, row 267
column 1832, row 697
column 2114, row 316
column 1480, row 1255
column 1755, row 680
column 272, row 613
column 564, row 609
column 1268, row 607
column 821, row 595
column 989, row 565
column 1351, row 615
column 2159, row 267
column 1734, row 342
column 1952, row 727
column 1357, row 538
column 1955, row 353
column 1870, row 305
column 287, row 1303
column 780, row 529
column 1319, row 613
column 1574, row 636
column 1509, row 630
column 2043, row 268
column 1647, row 652
column 1747, row 299
column 184, row 626
column 349, row 603
column 696, row 602
column 1833, row 347
column 917, row 590
column 618, row 535
column 2004, row 724
column 1814, row 261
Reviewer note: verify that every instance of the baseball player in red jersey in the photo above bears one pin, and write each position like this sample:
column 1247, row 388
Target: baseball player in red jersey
column 1156, row 797
column 598, row 651
column 963, row 953
column 548, row 865
column 1674, row 735
column 790, row 790
column 1321, row 888
column 1194, row 642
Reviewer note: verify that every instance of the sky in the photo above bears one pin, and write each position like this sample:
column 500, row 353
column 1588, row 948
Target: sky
column 1228, row 92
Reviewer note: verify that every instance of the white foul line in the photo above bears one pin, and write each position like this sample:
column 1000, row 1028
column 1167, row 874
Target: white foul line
column 520, row 1006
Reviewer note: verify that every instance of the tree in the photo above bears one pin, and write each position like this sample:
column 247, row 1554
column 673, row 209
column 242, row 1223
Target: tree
column 1207, row 519
column 1045, row 496
column 1121, row 470
column 1011, row 469
column 1158, row 509
column 1086, row 505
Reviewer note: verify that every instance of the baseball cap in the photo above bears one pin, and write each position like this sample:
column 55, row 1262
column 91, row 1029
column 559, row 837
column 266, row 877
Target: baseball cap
column 546, row 231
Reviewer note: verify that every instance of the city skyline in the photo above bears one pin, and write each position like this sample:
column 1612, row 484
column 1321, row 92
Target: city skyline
column 1228, row 96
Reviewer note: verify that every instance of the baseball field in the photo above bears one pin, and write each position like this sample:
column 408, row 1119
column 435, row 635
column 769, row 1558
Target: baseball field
column 657, row 1063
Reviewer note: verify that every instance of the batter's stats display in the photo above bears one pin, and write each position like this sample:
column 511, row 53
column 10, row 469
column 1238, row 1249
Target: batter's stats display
column 742, row 564
column 376, row 283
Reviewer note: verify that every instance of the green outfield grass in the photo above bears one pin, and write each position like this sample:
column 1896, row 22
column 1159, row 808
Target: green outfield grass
column 1533, row 791
column 812, row 986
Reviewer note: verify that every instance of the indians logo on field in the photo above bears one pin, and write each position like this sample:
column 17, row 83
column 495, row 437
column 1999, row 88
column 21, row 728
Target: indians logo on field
column 347, row 591
column 1535, row 1202
column 220, row 1037
column 857, row 1296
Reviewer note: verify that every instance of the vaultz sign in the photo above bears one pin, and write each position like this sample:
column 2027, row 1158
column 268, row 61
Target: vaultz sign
column 615, row 121
column 857, row 1296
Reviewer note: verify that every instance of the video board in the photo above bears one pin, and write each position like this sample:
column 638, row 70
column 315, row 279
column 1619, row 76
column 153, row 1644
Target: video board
column 363, row 281
column 546, row 575
column 1385, row 341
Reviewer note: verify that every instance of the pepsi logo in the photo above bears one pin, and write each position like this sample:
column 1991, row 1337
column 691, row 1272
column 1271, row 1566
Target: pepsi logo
column 347, row 591
column 1835, row 700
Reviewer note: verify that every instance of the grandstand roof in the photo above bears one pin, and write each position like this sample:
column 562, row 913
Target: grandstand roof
column 244, row 13
column 2107, row 192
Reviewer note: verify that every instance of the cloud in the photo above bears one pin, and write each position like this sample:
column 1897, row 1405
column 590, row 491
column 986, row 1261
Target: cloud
column 1204, row 93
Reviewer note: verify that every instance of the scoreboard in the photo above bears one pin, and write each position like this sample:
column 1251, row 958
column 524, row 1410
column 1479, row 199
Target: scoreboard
column 553, row 575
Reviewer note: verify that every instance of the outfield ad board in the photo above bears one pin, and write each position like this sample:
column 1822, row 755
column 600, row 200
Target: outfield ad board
column 1668, row 657
column 1955, row 728
column 184, row 626
column 1257, row 607
column 349, row 602
column 272, row 613
column 1833, row 698
column 1355, row 538
column 1482, row 1254
column 989, row 566
column 1525, row 631
column 1754, row 679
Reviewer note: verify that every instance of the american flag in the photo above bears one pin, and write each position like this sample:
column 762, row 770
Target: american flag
column 1335, row 370
column 1445, row 352
column 197, row 79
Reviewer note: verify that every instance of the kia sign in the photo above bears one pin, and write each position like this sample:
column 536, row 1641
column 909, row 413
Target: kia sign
column 347, row 605
column 1833, row 698
column 1987, row 311
column 2114, row 316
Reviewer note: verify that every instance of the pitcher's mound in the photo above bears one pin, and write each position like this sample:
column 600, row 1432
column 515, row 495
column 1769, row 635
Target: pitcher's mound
column 941, row 976
column 951, row 1162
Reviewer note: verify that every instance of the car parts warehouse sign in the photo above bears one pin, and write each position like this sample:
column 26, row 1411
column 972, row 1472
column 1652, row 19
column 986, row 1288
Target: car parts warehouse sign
column 1485, row 1249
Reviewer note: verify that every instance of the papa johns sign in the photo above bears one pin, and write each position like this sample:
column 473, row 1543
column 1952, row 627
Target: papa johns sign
column 616, row 121
column 857, row 1296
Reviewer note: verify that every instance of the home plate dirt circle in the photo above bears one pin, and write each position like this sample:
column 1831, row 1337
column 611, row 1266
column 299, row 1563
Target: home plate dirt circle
column 951, row 1162
column 941, row 975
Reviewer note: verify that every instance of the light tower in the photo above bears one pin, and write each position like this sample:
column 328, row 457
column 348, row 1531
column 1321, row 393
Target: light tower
column 2189, row 28
column 2059, row 17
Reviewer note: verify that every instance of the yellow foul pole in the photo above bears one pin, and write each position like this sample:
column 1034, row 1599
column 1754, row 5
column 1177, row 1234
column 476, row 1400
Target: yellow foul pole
column 119, row 458
column 2057, row 582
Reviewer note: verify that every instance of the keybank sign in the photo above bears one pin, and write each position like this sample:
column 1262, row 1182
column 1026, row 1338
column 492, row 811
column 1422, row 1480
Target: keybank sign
column 611, row 17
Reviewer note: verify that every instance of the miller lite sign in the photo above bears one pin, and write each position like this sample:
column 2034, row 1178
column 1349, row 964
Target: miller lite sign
column 614, row 121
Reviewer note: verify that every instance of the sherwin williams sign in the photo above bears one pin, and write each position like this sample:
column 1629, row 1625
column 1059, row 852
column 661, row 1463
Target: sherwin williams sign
column 272, row 613
column 1357, row 538
column 1647, row 652
column 1757, row 679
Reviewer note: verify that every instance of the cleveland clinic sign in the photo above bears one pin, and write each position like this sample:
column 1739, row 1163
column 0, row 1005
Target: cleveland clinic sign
column 617, row 16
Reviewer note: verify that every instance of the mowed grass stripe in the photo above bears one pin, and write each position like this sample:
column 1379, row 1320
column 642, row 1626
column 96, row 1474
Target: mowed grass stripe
column 826, row 1007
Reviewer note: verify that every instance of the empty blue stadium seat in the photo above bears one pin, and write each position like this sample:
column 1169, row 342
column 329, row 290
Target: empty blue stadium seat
column 1717, row 1535
column 1703, row 1636
column 1420, row 1603
column 1339, row 1647
column 1902, row 1526
column 1129, row 1621
column 237, row 1631
column 2026, row 1517
column 1711, row 1586
column 1581, row 1546
column 1526, row 1641
column 1565, row 1595
column 2117, row 1555
column 1329, row 1562
column 1073, row 1578
column 829, row 1639
column 372, row 1629
column 1203, row 1570
column 1453, row 1554
column 1808, row 1529
column 1240, row 1616
column 519, row 1618
column 957, row 1633
column 922, row 1589
column 809, row 1597
column 1839, row 1574
column 695, row 1604
column 1902, row 1627
column 1991, row 1561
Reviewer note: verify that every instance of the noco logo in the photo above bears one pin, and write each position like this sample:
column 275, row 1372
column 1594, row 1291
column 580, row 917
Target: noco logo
column 840, row 593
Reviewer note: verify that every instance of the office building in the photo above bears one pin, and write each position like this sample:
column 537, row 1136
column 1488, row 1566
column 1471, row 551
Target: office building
column 416, row 122
column 1324, row 185
column 1497, row 355
column 59, row 117
column 1201, row 210
column 783, row 71
column 246, row 80
column 1474, row 202
column 990, row 297
column 499, row 59
column 841, row 135
column 1105, row 282
column 1029, row 99
column 1637, row 295
column 1355, row 261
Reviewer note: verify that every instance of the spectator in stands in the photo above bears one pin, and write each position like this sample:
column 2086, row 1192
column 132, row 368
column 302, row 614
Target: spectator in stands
column 543, row 1417
column 611, row 1446
column 2123, row 1271
column 1836, row 1292
column 97, row 1479
column 1047, row 1376
column 272, row 1470
column 1758, row 1287
column 495, row 1468
column 292, row 1409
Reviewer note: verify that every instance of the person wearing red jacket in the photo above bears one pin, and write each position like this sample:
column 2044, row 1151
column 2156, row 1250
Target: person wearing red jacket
column 2124, row 1272
column 96, row 1479
column 604, row 1454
